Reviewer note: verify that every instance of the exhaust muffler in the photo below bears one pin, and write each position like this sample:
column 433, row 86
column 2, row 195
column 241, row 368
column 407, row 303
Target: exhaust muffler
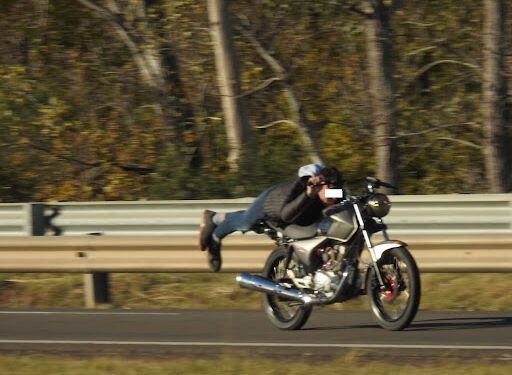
column 261, row 284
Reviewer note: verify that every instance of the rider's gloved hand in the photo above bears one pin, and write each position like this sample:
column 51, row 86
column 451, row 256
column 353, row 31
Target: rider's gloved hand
column 313, row 187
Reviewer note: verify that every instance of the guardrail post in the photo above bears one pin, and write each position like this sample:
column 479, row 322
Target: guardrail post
column 96, row 287
column 38, row 219
column 41, row 220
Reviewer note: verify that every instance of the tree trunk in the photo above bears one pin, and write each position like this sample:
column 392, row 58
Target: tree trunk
column 494, row 97
column 380, row 73
column 228, row 79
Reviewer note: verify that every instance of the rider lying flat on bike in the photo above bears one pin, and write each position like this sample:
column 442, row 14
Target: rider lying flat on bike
column 299, row 201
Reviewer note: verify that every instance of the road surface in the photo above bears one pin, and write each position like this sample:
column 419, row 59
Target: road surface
column 200, row 333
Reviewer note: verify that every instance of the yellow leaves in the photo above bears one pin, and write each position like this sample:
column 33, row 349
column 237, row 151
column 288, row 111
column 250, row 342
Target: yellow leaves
column 148, row 117
column 80, row 99
column 13, row 71
column 348, row 151
column 50, row 117
column 66, row 190
column 23, row 141
column 17, row 158
column 332, row 88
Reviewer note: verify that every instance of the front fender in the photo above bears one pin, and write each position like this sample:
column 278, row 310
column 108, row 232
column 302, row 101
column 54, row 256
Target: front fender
column 384, row 246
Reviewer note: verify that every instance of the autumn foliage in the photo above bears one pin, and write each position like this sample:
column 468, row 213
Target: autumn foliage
column 80, row 121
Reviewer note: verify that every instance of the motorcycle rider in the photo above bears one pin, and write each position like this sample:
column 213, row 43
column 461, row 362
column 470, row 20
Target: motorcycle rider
column 299, row 201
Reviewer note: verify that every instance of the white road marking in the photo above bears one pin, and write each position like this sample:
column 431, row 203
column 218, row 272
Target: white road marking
column 85, row 313
column 257, row 344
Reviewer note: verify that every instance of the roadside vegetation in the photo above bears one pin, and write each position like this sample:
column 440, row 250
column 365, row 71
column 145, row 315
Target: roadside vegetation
column 441, row 292
column 118, row 100
column 236, row 365
column 459, row 292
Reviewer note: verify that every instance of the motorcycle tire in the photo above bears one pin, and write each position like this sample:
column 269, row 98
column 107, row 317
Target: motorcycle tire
column 283, row 313
column 395, row 306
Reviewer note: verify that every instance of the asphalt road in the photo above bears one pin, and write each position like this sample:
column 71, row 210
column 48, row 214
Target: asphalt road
column 474, row 335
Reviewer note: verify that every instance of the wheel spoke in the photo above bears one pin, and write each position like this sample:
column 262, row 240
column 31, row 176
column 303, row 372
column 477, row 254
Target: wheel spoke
column 283, row 312
column 397, row 304
column 285, row 309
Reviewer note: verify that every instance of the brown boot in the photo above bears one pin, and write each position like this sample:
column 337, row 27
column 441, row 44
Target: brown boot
column 214, row 258
column 206, row 229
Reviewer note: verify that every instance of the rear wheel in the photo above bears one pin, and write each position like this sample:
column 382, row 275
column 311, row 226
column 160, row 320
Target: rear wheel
column 283, row 313
column 395, row 306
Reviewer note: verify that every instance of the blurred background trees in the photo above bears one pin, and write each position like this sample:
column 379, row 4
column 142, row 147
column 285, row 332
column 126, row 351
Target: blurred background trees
column 119, row 99
column 494, row 94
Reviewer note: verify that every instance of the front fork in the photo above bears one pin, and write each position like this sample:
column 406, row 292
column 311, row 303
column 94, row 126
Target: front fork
column 370, row 245
column 289, row 256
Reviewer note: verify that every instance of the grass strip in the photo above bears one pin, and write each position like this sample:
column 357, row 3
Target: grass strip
column 228, row 365
column 442, row 292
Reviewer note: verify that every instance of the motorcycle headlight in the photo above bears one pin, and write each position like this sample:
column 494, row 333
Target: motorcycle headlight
column 378, row 205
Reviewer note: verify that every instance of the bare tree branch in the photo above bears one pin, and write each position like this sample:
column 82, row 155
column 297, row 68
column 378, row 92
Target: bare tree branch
column 131, row 25
column 466, row 143
column 421, row 50
column 63, row 157
column 440, row 62
column 433, row 129
column 262, row 51
column 426, row 68
column 426, row 145
column 97, row 8
column 127, row 168
column 260, row 87
column 418, row 23
column 296, row 108
column 273, row 123
column 146, row 66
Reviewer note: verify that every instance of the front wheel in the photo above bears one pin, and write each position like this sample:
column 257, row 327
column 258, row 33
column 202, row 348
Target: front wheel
column 283, row 313
column 395, row 305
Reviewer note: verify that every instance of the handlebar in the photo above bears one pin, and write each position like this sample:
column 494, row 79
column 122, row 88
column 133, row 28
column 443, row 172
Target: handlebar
column 376, row 183
column 373, row 183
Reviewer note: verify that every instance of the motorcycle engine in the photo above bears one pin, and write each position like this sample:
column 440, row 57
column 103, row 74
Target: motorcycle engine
column 326, row 278
column 325, row 281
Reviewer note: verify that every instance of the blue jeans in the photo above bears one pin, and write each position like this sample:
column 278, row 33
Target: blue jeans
column 243, row 220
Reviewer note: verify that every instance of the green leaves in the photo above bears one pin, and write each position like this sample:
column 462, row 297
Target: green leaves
column 77, row 121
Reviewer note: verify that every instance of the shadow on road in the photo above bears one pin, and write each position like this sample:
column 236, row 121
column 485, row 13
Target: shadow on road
column 461, row 323
column 434, row 324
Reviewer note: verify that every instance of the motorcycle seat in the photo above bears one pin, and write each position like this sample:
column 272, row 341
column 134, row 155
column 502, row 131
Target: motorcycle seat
column 293, row 231
column 300, row 232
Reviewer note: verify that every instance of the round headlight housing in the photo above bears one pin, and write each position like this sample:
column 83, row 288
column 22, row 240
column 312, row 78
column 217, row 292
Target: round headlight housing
column 378, row 205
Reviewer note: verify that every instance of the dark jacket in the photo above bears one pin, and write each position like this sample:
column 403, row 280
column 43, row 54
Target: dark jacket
column 288, row 203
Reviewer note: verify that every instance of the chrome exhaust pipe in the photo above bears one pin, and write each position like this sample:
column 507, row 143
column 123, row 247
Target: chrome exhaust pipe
column 261, row 284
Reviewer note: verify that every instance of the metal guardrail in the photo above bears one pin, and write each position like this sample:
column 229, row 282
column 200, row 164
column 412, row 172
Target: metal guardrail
column 110, row 218
column 446, row 233
column 410, row 214
column 15, row 219
column 97, row 256
column 451, row 214
column 120, row 254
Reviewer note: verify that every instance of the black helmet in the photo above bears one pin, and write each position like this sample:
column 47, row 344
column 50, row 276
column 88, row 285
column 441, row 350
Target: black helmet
column 332, row 177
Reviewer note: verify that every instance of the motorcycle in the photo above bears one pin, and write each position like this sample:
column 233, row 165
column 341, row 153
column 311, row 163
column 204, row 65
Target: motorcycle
column 321, row 264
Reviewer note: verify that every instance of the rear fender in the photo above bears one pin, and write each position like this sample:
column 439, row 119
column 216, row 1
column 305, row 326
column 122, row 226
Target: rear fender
column 384, row 246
